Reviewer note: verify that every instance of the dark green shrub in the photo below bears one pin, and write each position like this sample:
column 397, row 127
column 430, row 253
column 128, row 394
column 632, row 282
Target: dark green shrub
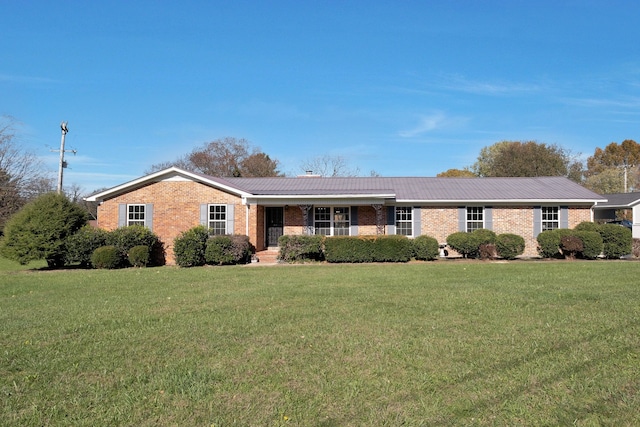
column 40, row 229
column 393, row 248
column 509, row 246
column 426, row 248
column 125, row 238
column 571, row 246
column 107, row 257
column 300, row 247
column 549, row 242
column 81, row 245
column 462, row 243
column 189, row 247
column 223, row 250
column 587, row 226
column 139, row 256
column 591, row 243
column 616, row 240
column 349, row 249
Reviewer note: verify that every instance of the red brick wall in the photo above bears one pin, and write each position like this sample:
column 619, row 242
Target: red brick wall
column 176, row 208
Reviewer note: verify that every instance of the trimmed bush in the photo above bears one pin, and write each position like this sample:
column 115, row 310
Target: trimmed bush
column 349, row 249
column 487, row 251
column 392, row 249
column 81, row 245
column 426, row 248
column 462, row 243
column 616, row 240
column 587, row 226
column 549, row 242
column 125, row 238
column 368, row 249
column 509, row 246
column 468, row 244
column 107, row 257
column 591, row 243
column 302, row 247
column 139, row 256
column 190, row 246
column 225, row 250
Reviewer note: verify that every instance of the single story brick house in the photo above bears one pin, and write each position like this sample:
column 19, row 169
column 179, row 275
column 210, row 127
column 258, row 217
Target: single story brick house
column 606, row 211
column 173, row 200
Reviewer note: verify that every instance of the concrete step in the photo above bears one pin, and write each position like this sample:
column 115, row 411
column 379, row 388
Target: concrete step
column 270, row 256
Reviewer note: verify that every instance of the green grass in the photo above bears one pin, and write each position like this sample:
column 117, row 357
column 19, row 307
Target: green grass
column 441, row 343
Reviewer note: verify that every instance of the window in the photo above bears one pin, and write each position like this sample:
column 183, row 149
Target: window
column 331, row 221
column 404, row 221
column 135, row 215
column 475, row 218
column 218, row 219
column 550, row 218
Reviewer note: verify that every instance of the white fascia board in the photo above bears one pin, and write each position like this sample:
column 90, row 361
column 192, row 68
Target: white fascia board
column 171, row 173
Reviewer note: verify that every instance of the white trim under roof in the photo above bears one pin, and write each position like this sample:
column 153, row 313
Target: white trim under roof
column 322, row 199
column 170, row 174
column 527, row 202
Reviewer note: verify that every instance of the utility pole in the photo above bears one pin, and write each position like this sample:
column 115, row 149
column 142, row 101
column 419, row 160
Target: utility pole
column 63, row 164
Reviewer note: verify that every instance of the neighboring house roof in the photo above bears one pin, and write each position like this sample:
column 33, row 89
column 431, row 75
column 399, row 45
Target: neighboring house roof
column 619, row 201
column 401, row 189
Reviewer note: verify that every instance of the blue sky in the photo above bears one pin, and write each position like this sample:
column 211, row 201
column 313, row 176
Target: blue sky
column 404, row 88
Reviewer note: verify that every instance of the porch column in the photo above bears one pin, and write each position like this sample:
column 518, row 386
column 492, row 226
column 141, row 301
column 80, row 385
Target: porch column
column 307, row 219
column 379, row 219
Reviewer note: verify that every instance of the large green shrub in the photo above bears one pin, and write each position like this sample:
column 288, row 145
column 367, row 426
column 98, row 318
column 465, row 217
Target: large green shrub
column 300, row 247
column 107, row 257
column 509, row 246
column 125, row 238
column 139, row 256
column 468, row 244
column 368, row 249
column 591, row 243
column 426, row 248
column 221, row 250
column 39, row 230
column 190, row 246
column 616, row 240
column 80, row 246
column 587, row 226
column 462, row 243
column 349, row 249
column 549, row 242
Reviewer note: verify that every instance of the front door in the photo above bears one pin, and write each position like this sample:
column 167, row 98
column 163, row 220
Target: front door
column 275, row 225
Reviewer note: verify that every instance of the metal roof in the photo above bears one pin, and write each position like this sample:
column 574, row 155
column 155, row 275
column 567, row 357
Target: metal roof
column 619, row 200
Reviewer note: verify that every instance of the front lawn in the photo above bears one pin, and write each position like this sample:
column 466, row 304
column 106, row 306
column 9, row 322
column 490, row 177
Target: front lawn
column 440, row 343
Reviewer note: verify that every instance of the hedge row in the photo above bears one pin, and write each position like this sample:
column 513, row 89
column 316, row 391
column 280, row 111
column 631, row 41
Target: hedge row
column 126, row 246
column 352, row 249
column 587, row 240
column 195, row 247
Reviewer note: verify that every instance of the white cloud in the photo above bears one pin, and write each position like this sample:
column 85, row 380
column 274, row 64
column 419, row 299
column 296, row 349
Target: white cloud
column 432, row 122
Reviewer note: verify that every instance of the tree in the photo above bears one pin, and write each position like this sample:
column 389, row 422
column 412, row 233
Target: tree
column 22, row 174
column 615, row 158
column 40, row 228
column 330, row 166
column 457, row 173
column 530, row 158
column 226, row 157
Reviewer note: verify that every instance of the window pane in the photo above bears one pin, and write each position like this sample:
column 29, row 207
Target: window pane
column 217, row 219
column 135, row 215
column 475, row 218
column 404, row 221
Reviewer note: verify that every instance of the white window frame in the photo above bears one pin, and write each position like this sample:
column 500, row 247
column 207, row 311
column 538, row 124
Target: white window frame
column 549, row 217
column 136, row 214
column 404, row 220
column 217, row 219
column 332, row 220
column 474, row 218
